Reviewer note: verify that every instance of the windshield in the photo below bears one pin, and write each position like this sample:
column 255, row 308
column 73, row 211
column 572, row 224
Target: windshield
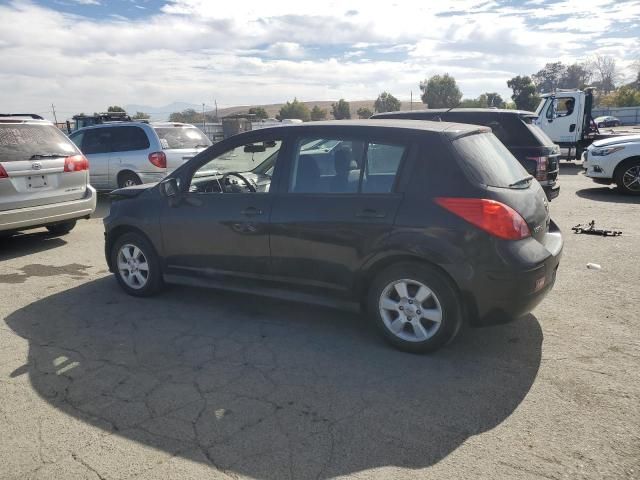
column 239, row 160
column 489, row 162
column 181, row 137
column 21, row 142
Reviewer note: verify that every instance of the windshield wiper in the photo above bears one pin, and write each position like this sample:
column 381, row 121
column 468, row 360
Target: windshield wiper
column 38, row 156
column 522, row 181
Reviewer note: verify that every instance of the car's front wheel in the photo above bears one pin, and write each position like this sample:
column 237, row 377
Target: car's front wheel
column 627, row 176
column 136, row 265
column 61, row 228
column 415, row 306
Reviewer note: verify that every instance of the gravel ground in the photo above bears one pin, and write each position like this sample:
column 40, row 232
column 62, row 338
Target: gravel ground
column 201, row 384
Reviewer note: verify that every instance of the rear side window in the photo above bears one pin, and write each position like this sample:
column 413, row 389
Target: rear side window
column 381, row 167
column 21, row 142
column 97, row 140
column 181, row 137
column 124, row 139
column 488, row 161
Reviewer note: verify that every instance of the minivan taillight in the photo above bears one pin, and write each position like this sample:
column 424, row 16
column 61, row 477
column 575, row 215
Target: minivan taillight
column 3, row 172
column 542, row 167
column 159, row 159
column 493, row 217
column 76, row 163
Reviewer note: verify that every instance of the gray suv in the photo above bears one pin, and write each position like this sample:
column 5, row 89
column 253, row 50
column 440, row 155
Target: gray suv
column 123, row 154
column 44, row 179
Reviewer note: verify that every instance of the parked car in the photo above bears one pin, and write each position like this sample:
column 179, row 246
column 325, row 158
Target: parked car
column 515, row 128
column 422, row 223
column 607, row 121
column 124, row 154
column 44, row 179
column 615, row 160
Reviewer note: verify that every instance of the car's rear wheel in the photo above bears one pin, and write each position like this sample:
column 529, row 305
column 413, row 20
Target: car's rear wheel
column 415, row 306
column 128, row 179
column 627, row 176
column 136, row 265
column 61, row 228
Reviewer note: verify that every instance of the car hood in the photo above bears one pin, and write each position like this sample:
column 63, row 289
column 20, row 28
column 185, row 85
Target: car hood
column 617, row 140
column 130, row 192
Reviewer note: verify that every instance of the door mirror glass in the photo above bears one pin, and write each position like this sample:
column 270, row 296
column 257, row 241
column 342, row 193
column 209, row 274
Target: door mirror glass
column 170, row 187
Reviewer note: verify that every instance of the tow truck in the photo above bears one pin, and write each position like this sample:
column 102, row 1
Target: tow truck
column 607, row 156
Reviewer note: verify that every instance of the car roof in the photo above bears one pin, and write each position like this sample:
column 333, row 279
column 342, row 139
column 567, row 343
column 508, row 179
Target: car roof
column 432, row 111
column 112, row 124
column 171, row 124
column 24, row 119
column 449, row 129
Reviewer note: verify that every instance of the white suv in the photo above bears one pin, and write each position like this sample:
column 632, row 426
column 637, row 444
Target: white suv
column 123, row 154
column 615, row 160
column 44, row 179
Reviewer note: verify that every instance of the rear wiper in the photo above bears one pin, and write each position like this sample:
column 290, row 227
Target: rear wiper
column 38, row 156
column 522, row 181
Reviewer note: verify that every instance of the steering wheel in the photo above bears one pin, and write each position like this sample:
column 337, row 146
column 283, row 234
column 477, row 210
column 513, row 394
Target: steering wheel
column 247, row 183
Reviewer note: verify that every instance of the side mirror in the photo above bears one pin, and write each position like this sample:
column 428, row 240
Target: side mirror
column 252, row 148
column 170, row 187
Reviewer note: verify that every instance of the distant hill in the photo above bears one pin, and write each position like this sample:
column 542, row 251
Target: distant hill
column 161, row 113
column 274, row 108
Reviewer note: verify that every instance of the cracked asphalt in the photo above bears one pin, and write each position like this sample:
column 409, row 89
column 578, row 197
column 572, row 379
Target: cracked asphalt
column 198, row 384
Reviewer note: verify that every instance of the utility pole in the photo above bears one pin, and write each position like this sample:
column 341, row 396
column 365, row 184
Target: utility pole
column 411, row 107
column 216, row 104
column 53, row 109
column 203, row 117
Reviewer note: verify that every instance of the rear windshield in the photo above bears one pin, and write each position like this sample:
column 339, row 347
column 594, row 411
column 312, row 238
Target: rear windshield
column 488, row 161
column 22, row 142
column 537, row 132
column 181, row 137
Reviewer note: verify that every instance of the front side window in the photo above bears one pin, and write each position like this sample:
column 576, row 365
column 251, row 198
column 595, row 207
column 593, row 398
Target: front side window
column 330, row 165
column 246, row 168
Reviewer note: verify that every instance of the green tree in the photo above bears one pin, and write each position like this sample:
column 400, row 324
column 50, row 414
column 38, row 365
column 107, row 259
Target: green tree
column 141, row 116
column 364, row 112
column 115, row 108
column 318, row 113
column 576, row 75
column 524, row 93
column 189, row 115
column 548, row 79
column 440, row 91
column 495, row 100
column 259, row 112
column 626, row 97
column 386, row 103
column 341, row 110
column 294, row 109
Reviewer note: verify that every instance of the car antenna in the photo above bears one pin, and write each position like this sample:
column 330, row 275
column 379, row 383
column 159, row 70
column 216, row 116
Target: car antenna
column 455, row 106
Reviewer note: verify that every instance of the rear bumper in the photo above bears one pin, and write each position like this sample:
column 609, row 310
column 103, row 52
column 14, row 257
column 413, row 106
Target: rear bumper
column 31, row 217
column 500, row 296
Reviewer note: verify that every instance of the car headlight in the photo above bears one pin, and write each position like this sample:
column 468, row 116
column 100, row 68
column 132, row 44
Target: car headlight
column 601, row 152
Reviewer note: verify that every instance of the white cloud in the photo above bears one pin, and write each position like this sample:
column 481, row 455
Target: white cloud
column 263, row 52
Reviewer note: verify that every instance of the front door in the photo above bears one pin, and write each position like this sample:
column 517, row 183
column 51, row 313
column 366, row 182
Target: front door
column 95, row 143
column 220, row 225
column 333, row 213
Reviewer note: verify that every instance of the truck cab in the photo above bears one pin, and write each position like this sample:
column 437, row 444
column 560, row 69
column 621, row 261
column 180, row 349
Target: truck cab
column 562, row 115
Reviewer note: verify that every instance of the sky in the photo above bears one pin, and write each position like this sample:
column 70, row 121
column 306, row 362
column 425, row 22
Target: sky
column 83, row 55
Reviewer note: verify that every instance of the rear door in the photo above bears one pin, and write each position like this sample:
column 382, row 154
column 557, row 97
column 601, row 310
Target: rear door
column 32, row 161
column 326, row 223
column 129, row 151
column 181, row 143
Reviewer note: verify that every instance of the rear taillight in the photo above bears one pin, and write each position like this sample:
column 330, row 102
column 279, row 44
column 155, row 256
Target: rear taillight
column 76, row 163
column 159, row 159
column 493, row 217
column 3, row 172
column 542, row 167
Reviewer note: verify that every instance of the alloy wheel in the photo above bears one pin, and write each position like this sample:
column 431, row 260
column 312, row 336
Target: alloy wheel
column 133, row 266
column 631, row 179
column 410, row 310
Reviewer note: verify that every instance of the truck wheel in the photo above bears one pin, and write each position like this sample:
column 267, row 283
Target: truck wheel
column 415, row 306
column 627, row 176
column 61, row 228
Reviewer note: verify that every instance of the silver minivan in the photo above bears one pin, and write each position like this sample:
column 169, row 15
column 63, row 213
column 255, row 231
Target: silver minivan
column 123, row 154
column 44, row 179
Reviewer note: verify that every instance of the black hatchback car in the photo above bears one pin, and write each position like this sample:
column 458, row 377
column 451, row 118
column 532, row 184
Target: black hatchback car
column 515, row 128
column 424, row 224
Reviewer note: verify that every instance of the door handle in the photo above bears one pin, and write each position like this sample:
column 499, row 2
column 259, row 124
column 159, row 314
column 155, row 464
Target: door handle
column 370, row 213
column 251, row 212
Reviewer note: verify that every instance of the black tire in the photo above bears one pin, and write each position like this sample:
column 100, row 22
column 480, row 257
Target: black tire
column 154, row 281
column 61, row 228
column 128, row 179
column 629, row 166
column 445, row 297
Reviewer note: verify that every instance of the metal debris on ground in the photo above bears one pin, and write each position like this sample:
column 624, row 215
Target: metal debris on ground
column 590, row 229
